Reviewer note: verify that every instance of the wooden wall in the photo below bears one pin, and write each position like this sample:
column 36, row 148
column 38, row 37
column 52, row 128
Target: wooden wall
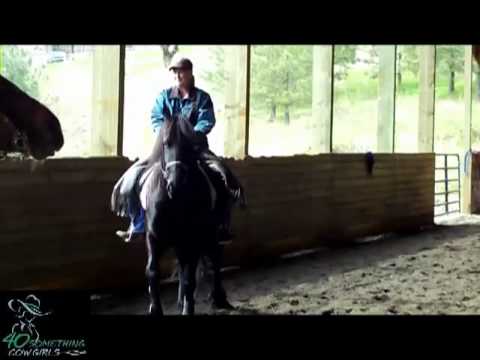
column 58, row 231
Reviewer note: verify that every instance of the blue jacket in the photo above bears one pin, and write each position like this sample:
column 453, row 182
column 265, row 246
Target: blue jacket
column 169, row 102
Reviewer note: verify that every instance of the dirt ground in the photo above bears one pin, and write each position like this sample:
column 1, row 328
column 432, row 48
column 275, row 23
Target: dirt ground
column 433, row 272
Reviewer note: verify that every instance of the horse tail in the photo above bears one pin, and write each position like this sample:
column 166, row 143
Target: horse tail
column 117, row 204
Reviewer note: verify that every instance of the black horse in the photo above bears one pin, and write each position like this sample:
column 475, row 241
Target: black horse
column 180, row 214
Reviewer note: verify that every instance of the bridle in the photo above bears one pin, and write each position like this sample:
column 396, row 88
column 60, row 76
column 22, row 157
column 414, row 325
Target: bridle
column 171, row 164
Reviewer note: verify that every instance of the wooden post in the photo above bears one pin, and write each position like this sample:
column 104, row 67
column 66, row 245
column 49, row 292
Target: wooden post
column 467, row 137
column 322, row 88
column 105, row 95
column 426, row 57
column 386, row 98
column 247, row 100
column 121, row 99
column 236, row 122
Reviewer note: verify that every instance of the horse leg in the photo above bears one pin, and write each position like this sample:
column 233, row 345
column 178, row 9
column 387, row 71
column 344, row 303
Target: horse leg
column 181, row 292
column 188, row 273
column 218, row 294
column 152, row 274
column 181, row 289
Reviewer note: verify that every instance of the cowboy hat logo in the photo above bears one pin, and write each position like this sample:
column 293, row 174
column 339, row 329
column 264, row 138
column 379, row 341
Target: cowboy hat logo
column 26, row 312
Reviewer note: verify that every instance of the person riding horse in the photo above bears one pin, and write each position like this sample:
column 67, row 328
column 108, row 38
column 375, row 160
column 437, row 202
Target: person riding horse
column 185, row 102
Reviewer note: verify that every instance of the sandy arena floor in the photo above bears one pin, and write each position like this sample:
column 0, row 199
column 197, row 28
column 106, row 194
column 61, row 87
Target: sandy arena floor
column 434, row 272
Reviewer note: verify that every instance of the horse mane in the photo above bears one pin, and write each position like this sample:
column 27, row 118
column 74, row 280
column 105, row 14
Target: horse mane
column 168, row 134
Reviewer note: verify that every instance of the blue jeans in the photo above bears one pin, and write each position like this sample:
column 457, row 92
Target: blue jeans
column 137, row 220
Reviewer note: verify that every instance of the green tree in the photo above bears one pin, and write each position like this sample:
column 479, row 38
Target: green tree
column 344, row 58
column 17, row 67
column 169, row 52
column 217, row 77
column 281, row 77
column 407, row 61
column 450, row 60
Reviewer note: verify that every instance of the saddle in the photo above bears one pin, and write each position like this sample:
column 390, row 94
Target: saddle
column 144, row 183
column 130, row 192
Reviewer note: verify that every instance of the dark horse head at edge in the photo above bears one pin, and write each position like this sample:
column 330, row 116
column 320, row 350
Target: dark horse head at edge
column 41, row 127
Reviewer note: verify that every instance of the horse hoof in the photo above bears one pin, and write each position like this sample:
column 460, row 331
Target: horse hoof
column 188, row 310
column 180, row 305
column 155, row 311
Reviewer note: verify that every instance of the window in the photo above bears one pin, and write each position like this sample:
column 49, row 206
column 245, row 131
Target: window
column 475, row 106
column 449, row 99
column 67, row 80
column 290, row 97
column 355, row 107
column 146, row 75
column 407, row 99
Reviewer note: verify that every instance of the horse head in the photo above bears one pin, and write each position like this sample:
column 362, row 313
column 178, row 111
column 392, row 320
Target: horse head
column 42, row 128
column 476, row 53
column 44, row 132
column 176, row 148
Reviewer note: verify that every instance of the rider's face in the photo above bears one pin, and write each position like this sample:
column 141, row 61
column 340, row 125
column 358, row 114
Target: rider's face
column 182, row 77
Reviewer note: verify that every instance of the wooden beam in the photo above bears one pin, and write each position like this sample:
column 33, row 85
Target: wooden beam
column 121, row 100
column 467, row 135
column 426, row 56
column 236, row 126
column 386, row 98
column 322, row 88
column 105, row 95
column 295, row 203
column 247, row 100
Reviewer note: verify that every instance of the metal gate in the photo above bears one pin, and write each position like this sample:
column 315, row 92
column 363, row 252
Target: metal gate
column 445, row 185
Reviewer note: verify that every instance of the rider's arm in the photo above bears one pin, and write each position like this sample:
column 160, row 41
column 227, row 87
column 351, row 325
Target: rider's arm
column 206, row 115
column 158, row 111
